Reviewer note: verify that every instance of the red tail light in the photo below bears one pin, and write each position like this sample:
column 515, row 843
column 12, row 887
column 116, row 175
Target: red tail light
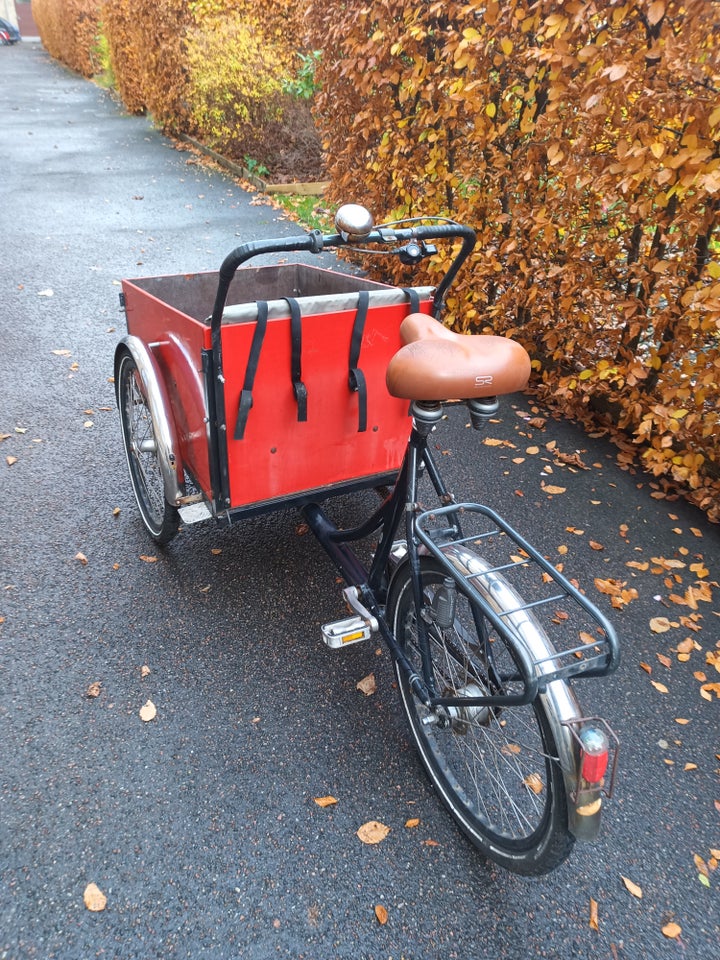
column 595, row 747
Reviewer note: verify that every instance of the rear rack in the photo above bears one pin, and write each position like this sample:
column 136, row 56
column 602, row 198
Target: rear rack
column 582, row 642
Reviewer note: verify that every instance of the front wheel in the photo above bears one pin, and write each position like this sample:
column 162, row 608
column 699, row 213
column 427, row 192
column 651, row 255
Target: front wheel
column 495, row 769
column 161, row 518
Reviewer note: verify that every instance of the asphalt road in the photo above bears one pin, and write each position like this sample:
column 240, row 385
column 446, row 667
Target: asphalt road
column 200, row 827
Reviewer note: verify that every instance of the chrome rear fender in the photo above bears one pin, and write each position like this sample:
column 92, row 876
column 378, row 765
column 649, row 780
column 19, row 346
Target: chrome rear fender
column 562, row 707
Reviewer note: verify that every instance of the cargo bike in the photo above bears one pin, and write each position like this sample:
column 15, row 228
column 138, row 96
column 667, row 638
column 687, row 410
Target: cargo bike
column 258, row 388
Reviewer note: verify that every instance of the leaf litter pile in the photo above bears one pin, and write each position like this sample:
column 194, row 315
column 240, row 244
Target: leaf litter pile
column 685, row 628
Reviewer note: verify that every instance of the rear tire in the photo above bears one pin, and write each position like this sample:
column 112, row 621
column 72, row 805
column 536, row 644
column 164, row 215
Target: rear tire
column 161, row 518
column 496, row 770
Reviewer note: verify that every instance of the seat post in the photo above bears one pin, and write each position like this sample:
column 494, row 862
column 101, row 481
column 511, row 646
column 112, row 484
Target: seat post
column 425, row 416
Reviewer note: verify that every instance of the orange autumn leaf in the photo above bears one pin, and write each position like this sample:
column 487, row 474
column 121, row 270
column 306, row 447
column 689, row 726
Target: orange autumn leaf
column 593, row 922
column 672, row 930
column 94, row 899
column 381, row 914
column 633, row 888
column 534, row 782
column 373, row 832
column 325, row 801
column 660, row 687
column 367, row 685
column 712, row 657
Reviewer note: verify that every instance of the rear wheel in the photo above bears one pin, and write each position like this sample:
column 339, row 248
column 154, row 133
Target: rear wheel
column 161, row 518
column 496, row 769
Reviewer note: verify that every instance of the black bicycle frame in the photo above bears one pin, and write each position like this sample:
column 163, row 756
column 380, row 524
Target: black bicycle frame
column 372, row 584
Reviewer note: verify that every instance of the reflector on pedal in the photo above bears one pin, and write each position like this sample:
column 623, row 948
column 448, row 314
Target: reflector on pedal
column 342, row 633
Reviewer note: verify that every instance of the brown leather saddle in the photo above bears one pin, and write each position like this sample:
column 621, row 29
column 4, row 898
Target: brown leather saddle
column 436, row 364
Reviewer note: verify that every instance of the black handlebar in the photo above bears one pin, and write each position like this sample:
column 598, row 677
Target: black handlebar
column 316, row 242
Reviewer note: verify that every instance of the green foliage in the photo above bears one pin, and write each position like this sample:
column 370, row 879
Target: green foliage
column 304, row 85
column 311, row 212
column 103, row 71
column 254, row 167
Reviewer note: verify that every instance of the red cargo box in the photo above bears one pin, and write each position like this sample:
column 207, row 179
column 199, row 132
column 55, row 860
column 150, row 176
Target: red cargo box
column 280, row 456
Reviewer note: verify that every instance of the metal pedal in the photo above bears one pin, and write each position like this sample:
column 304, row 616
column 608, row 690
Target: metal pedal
column 342, row 633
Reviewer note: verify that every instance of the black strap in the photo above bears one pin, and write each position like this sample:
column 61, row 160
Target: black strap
column 299, row 388
column 246, row 400
column 356, row 378
column 414, row 298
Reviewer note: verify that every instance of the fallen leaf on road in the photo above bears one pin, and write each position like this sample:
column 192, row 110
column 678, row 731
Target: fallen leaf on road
column 367, row 685
column 551, row 489
column 672, row 930
column 144, row 670
column 147, row 559
column 94, row 689
column 534, row 783
column 325, row 801
column 593, row 922
column 633, row 888
column 660, row 624
column 94, row 899
column 660, row 687
column 412, row 822
column 381, row 914
column 11, row 460
column 373, row 832
column 82, row 558
column 148, row 711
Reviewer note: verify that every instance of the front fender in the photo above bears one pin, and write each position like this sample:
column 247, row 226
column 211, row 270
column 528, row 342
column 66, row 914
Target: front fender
column 160, row 411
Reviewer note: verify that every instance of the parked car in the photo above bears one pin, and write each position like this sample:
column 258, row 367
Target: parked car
column 8, row 33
